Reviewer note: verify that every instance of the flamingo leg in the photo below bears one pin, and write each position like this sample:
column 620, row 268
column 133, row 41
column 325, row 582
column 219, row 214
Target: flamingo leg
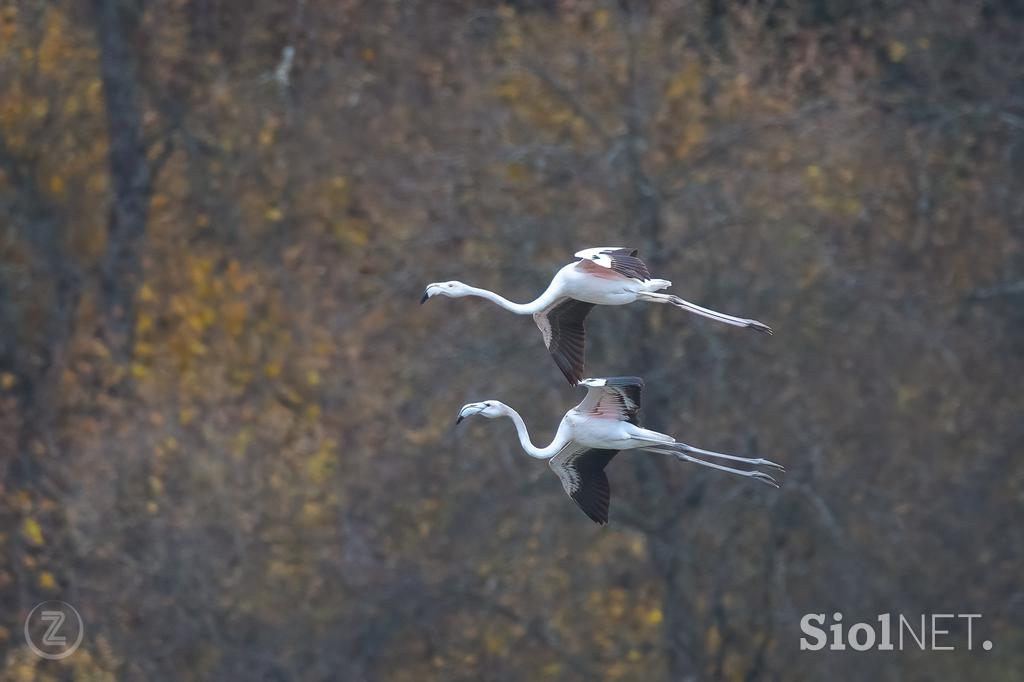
column 719, row 455
column 652, row 297
column 756, row 475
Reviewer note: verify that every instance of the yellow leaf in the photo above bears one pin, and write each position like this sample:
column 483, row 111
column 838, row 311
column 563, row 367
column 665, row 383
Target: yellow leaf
column 47, row 581
column 693, row 134
column 352, row 231
column 493, row 643
column 32, row 532
column 143, row 323
column 71, row 105
column 638, row 546
column 714, row 639
column 517, row 173
column 850, row 207
column 312, row 512
column 266, row 137
column 897, row 51
column 234, row 314
column 687, row 81
column 511, row 90
column 322, row 463
column 144, row 350
column 241, row 442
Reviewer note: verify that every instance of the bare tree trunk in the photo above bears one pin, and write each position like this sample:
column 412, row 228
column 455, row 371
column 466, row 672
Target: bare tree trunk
column 131, row 173
column 644, row 208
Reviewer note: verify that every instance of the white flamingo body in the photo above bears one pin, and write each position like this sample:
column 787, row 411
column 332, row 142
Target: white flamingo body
column 607, row 432
column 589, row 285
column 601, row 276
column 594, row 431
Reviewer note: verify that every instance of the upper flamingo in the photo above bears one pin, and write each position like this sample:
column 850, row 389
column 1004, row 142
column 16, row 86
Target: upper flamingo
column 607, row 275
column 594, row 431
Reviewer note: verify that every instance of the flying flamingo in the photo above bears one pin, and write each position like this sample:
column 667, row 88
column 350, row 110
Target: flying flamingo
column 594, row 431
column 601, row 276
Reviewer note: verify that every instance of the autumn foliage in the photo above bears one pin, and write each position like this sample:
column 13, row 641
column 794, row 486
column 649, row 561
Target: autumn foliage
column 226, row 428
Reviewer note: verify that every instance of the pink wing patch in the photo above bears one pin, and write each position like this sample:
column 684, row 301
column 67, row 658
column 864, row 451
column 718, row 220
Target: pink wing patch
column 599, row 271
column 604, row 410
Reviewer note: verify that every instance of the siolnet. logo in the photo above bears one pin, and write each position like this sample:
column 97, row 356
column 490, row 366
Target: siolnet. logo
column 929, row 632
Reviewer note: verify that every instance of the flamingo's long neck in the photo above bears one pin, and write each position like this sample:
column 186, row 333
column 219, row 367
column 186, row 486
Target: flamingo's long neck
column 524, row 438
column 549, row 296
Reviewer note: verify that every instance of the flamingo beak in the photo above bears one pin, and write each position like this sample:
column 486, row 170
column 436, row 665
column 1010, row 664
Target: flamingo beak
column 426, row 295
column 468, row 411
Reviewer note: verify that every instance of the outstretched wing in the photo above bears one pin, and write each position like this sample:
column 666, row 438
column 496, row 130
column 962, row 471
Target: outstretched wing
column 581, row 471
column 618, row 259
column 562, row 325
column 613, row 398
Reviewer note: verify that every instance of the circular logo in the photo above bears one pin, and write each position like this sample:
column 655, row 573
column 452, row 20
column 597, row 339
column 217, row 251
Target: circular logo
column 54, row 630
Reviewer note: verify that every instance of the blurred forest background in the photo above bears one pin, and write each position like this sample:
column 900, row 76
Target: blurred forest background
column 226, row 426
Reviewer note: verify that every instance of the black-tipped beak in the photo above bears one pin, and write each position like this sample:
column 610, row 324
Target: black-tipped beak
column 426, row 295
column 459, row 420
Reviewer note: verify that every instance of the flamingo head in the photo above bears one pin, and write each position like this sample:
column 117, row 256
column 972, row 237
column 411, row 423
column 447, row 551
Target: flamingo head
column 488, row 408
column 450, row 289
